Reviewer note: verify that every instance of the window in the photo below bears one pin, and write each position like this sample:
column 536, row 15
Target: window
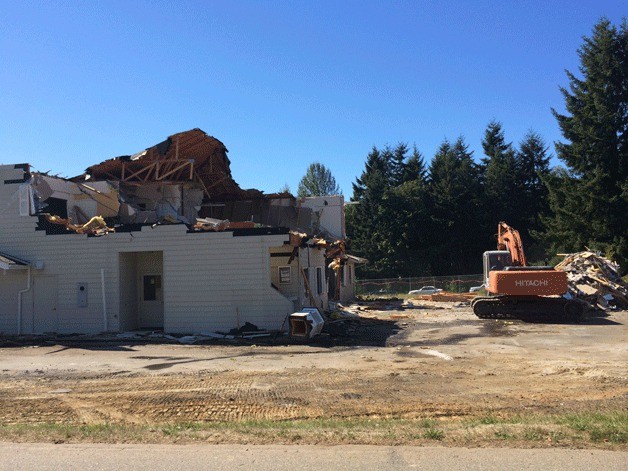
column 319, row 280
column 284, row 275
column 343, row 278
column 152, row 287
column 350, row 274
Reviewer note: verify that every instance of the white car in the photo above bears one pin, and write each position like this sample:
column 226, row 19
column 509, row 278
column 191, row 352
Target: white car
column 475, row 289
column 425, row 290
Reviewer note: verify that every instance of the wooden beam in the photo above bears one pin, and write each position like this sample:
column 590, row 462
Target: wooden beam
column 307, row 287
column 200, row 181
column 107, row 174
column 294, row 253
column 171, row 170
column 217, row 182
column 147, row 168
column 152, row 169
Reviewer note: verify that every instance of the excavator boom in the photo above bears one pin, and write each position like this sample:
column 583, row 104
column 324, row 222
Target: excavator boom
column 509, row 239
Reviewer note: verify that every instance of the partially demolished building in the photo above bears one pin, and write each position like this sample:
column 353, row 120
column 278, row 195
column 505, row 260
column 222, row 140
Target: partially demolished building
column 163, row 239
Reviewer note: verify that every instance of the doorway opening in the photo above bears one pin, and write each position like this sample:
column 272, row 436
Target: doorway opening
column 141, row 290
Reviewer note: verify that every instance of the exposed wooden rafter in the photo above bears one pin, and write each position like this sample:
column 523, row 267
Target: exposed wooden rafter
column 158, row 170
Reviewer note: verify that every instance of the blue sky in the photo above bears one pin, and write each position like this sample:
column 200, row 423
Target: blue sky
column 282, row 84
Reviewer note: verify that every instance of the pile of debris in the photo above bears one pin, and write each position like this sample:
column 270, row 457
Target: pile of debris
column 595, row 280
column 218, row 225
column 247, row 331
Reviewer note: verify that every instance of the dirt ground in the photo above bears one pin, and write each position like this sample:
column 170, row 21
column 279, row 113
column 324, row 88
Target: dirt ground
column 430, row 360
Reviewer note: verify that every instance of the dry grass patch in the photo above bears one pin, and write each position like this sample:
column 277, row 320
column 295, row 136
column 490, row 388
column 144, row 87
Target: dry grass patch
column 598, row 430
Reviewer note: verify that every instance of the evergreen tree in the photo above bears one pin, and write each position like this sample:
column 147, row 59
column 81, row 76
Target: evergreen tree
column 374, row 178
column 533, row 169
column 569, row 226
column 414, row 168
column 318, row 181
column 593, row 191
column 365, row 219
column 494, row 142
column 533, row 161
column 398, row 163
column 501, row 179
column 389, row 223
column 408, row 222
column 455, row 189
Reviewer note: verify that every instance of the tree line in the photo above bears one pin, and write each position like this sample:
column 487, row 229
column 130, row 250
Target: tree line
column 410, row 218
column 413, row 219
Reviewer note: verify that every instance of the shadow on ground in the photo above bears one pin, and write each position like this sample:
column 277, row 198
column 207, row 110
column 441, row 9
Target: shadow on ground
column 353, row 332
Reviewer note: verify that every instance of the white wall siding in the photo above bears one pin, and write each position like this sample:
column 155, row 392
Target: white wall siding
column 347, row 286
column 210, row 280
column 328, row 213
column 11, row 282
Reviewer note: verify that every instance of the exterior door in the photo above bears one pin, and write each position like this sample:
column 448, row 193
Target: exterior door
column 151, row 301
column 45, row 316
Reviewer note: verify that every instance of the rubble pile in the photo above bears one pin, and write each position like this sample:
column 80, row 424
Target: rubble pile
column 595, row 280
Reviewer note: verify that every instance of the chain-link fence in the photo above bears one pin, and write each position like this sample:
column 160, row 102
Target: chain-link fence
column 398, row 286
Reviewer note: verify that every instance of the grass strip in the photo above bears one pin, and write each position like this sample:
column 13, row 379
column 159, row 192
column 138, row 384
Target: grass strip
column 595, row 429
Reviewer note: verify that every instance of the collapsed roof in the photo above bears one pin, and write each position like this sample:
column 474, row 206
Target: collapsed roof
column 189, row 156
column 184, row 179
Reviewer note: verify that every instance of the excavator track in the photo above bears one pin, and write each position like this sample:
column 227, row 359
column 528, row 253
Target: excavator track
column 528, row 308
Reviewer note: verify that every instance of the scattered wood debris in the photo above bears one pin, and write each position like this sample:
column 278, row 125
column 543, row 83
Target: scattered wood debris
column 453, row 297
column 595, row 279
column 445, row 296
column 219, row 225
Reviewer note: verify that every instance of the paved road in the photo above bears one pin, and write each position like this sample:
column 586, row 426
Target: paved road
column 101, row 457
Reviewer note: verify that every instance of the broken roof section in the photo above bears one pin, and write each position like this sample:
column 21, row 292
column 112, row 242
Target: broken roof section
column 189, row 156
column 184, row 179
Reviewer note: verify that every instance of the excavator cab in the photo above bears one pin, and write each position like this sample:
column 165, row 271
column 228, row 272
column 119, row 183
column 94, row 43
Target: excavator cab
column 495, row 260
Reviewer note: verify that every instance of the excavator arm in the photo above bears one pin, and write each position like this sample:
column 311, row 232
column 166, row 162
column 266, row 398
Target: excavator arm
column 509, row 239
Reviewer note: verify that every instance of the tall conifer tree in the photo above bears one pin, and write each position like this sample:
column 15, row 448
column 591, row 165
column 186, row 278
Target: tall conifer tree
column 533, row 164
column 501, row 179
column 389, row 222
column 590, row 200
column 455, row 190
column 365, row 219
column 409, row 222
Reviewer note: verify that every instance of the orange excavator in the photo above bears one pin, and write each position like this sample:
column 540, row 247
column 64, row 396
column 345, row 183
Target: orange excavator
column 517, row 290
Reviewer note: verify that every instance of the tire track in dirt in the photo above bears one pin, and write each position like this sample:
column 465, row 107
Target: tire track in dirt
column 415, row 389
